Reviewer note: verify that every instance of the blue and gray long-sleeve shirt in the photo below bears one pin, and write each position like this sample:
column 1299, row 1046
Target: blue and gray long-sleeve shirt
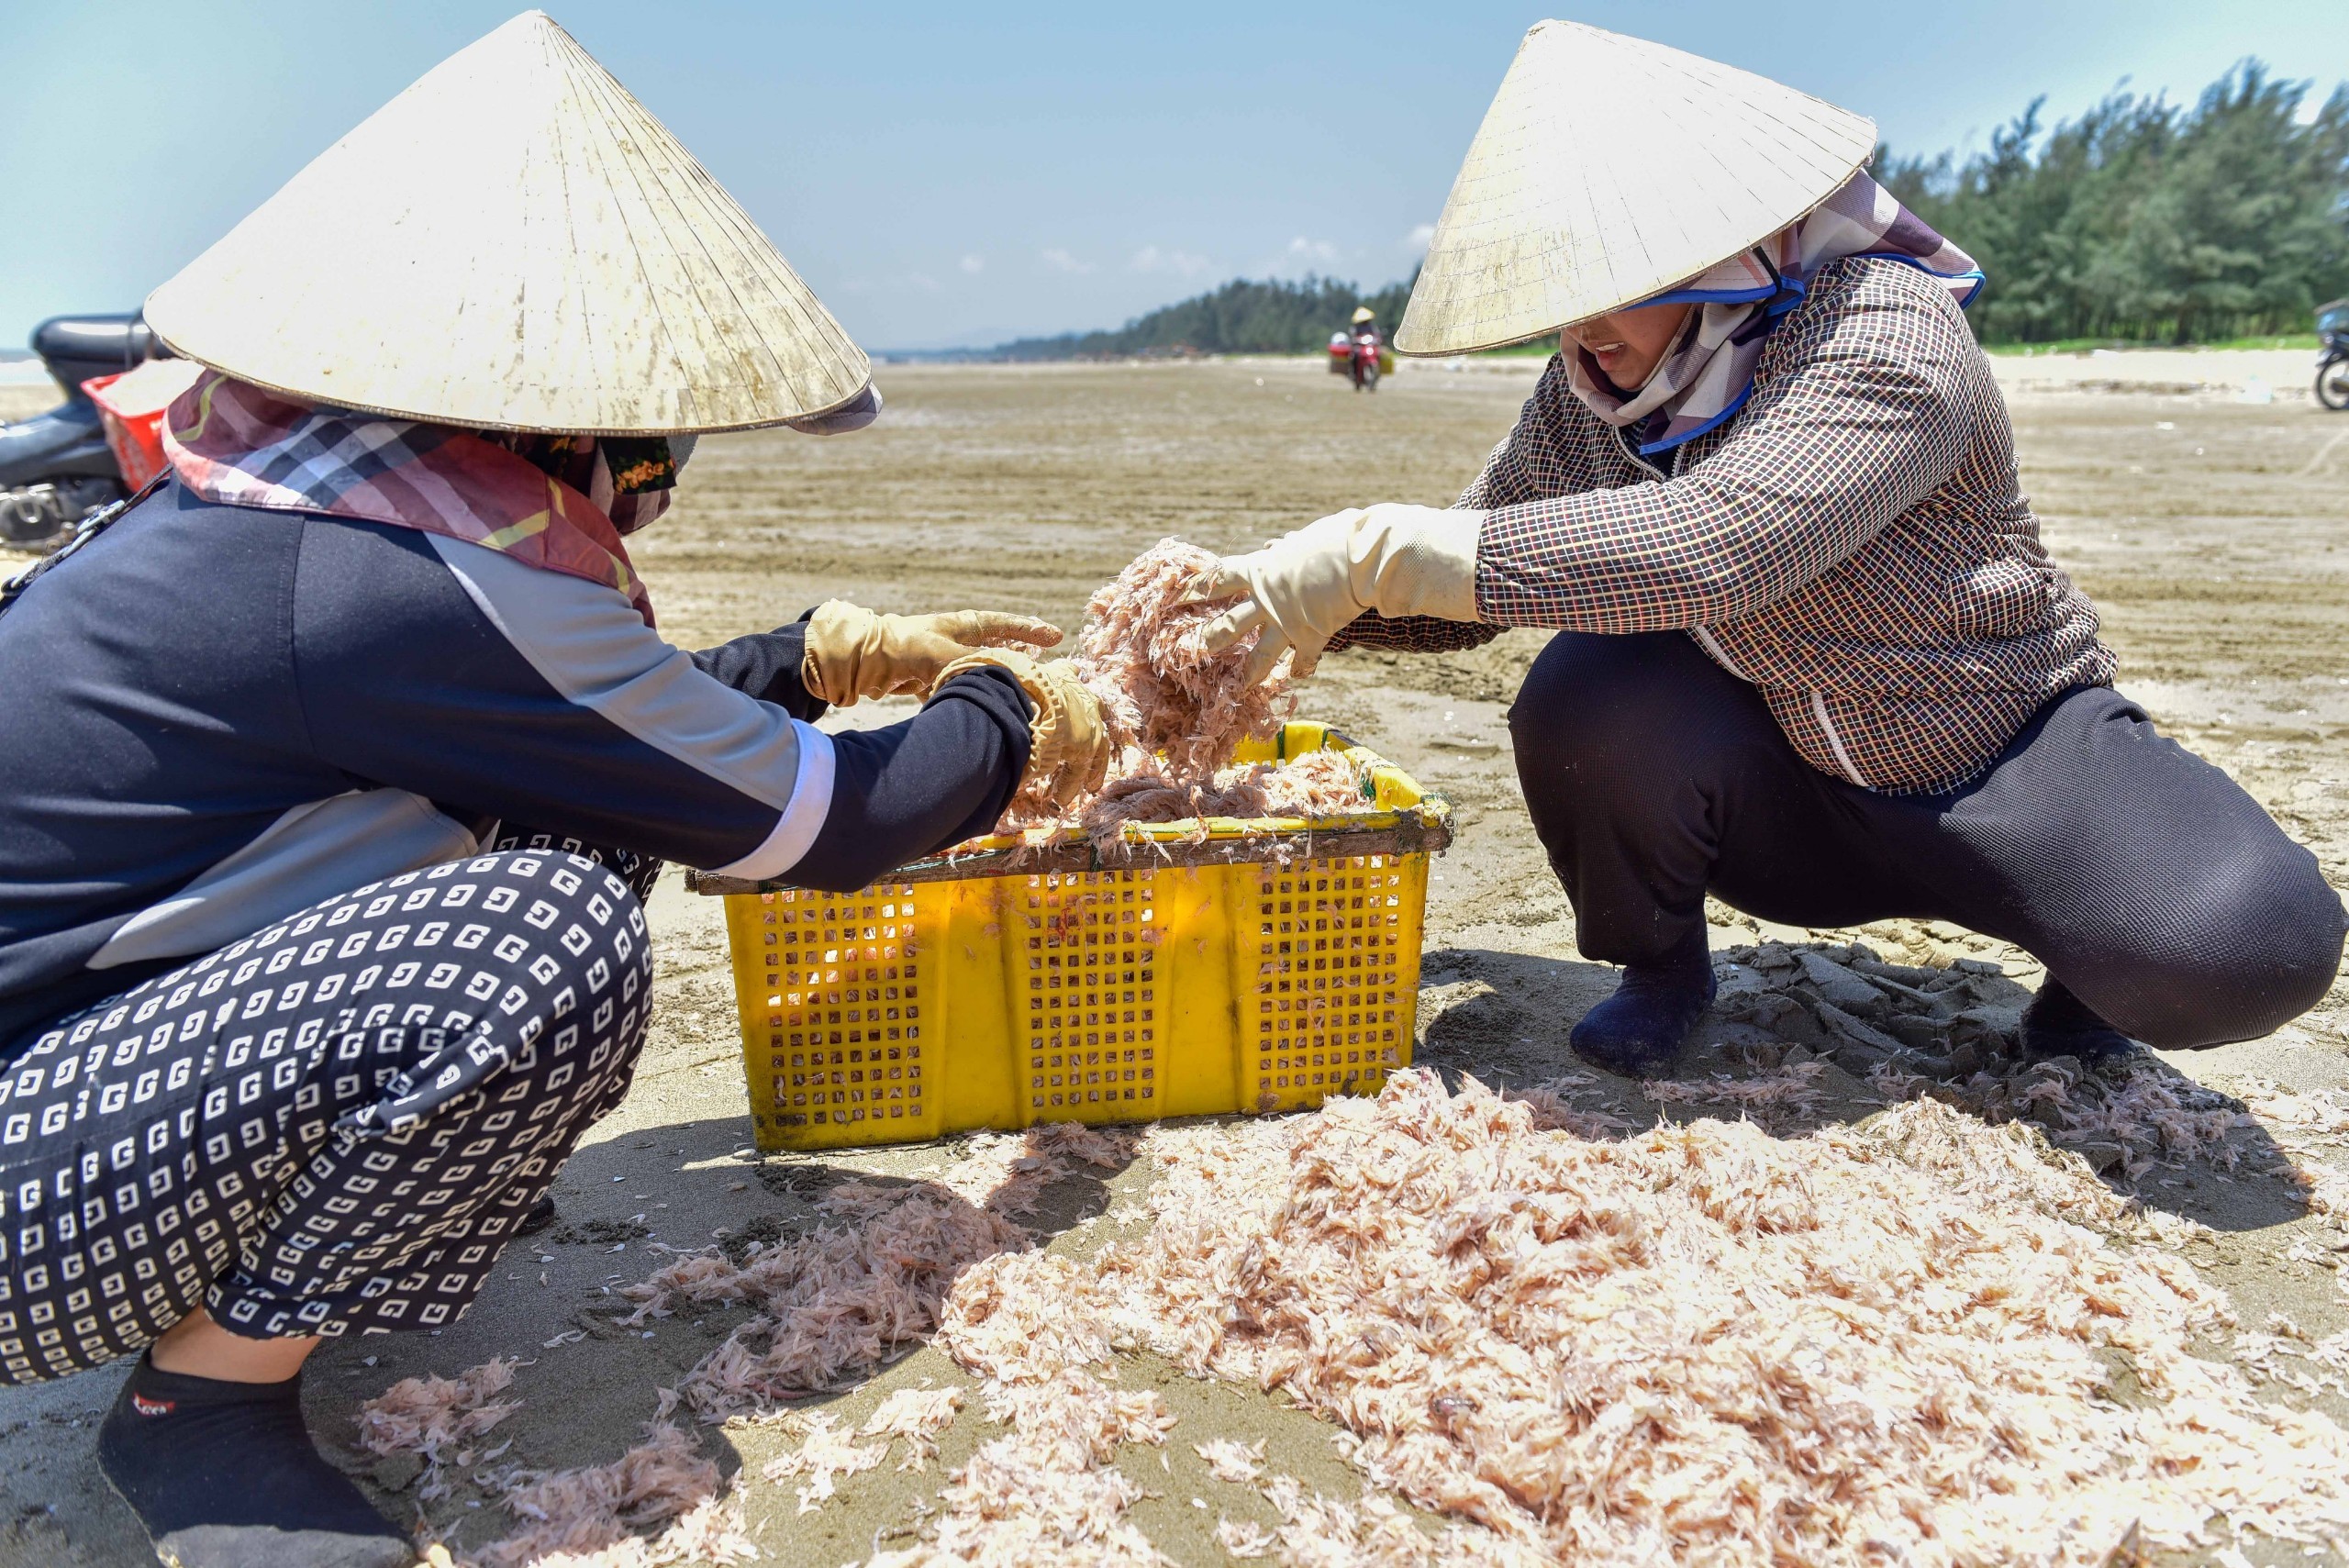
column 212, row 716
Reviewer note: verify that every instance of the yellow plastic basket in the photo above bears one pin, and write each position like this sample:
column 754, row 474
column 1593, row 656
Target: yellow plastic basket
column 1262, row 968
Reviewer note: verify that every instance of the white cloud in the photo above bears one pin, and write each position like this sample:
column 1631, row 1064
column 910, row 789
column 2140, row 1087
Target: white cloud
column 1061, row 260
column 1299, row 258
column 923, row 281
column 973, row 263
column 1420, row 235
column 1182, row 264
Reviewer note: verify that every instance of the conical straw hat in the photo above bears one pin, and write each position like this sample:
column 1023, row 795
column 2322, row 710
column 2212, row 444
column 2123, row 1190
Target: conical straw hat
column 1608, row 169
column 514, row 243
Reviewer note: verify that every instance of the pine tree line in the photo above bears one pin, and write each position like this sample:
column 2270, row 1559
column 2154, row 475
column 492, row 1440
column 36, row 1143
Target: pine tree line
column 2145, row 221
column 1271, row 316
column 2141, row 221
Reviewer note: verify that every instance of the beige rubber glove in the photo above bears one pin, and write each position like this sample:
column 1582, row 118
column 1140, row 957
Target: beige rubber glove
column 852, row 652
column 1304, row 588
column 1068, row 744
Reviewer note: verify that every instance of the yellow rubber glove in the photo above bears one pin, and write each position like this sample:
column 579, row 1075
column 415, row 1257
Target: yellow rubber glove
column 852, row 652
column 1303, row 588
column 1068, row 744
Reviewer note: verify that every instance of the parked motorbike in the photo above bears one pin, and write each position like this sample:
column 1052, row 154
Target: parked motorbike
column 2333, row 368
column 56, row 468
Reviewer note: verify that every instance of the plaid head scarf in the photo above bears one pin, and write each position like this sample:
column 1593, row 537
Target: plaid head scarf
column 559, row 503
column 1706, row 376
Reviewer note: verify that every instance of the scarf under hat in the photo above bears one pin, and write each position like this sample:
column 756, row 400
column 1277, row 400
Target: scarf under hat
column 1707, row 377
column 559, row 503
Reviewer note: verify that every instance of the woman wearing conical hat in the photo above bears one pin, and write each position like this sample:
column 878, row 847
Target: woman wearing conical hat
column 337, row 765
column 1812, row 658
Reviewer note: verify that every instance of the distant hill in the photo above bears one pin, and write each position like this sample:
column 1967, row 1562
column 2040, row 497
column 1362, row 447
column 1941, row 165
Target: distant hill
column 1272, row 316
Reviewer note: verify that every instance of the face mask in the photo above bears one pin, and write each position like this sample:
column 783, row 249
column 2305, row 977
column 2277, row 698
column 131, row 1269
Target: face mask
column 634, row 476
column 627, row 478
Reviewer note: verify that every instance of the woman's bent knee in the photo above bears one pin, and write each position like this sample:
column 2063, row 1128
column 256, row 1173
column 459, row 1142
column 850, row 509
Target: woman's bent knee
column 583, row 966
column 546, row 988
column 2248, row 955
column 1606, row 701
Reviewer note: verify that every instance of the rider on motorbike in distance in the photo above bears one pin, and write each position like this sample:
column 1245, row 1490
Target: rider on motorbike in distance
column 1368, row 349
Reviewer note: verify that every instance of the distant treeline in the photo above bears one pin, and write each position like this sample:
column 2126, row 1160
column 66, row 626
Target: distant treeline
column 2140, row 221
column 1242, row 318
column 2145, row 221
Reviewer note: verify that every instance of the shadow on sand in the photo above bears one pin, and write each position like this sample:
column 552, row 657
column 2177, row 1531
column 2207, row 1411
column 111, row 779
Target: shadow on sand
column 829, row 1276
column 1846, row 1035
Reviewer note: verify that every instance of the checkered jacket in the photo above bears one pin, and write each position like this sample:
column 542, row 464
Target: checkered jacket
column 1853, row 542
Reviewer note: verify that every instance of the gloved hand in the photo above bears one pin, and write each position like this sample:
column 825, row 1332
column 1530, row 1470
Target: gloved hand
column 1068, row 743
column 1303, row 588
column 852, row 652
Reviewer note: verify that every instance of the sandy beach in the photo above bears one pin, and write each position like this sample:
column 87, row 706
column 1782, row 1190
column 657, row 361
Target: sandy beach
column 2202, row 498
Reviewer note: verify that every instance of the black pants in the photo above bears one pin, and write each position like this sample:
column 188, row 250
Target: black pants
column 331, row 1126
column 2142, row 876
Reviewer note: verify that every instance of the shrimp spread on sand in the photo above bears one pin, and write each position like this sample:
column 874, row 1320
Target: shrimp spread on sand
column 1694, row 1344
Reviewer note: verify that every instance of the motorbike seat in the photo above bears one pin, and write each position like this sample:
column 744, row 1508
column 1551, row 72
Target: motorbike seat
column 123, row 341
column 78, row 347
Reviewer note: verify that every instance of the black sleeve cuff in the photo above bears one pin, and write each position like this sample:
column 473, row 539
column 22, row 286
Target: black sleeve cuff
column 915, row 788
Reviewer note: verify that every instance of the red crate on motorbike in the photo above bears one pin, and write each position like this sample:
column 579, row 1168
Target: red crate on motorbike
column 132, row 404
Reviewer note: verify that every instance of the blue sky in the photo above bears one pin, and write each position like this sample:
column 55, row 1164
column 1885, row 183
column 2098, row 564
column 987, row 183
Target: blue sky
column 961, row 174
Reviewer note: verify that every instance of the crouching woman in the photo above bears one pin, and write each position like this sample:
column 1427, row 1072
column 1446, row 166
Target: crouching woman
column 1812, row 657
column 336, row 771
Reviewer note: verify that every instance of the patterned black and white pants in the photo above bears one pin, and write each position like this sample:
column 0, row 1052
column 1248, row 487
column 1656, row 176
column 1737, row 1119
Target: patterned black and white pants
column 331, row 1126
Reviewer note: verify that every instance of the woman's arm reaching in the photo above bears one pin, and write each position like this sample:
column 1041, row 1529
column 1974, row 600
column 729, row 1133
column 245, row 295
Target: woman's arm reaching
column 542, row 698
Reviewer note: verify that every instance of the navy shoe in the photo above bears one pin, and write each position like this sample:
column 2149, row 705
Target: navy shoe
column 1640, row 1030
column 2057, row 1023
